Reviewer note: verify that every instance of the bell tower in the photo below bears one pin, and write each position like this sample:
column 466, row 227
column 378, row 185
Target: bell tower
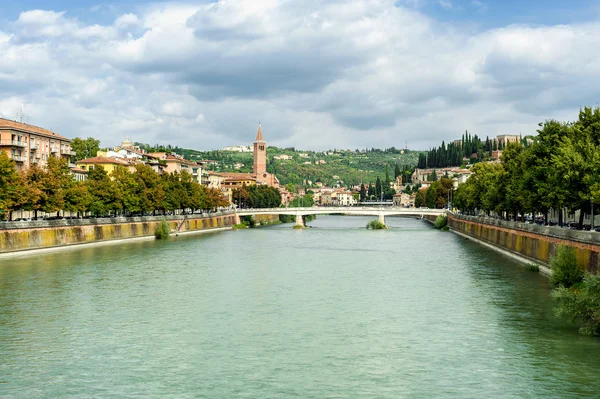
column 260, row 154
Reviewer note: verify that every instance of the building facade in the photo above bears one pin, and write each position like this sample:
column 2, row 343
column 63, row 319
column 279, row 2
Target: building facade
column 31, row 145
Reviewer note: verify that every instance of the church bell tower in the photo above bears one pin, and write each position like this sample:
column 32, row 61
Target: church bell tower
column 260, row 155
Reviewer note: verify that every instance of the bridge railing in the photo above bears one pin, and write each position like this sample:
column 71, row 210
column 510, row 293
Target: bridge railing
column 348, row 209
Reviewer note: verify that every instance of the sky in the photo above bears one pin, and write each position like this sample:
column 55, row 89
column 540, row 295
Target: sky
column 316, row 74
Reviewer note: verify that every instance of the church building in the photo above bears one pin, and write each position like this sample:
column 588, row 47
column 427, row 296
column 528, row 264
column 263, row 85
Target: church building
column 260, row 161
column 230, row 181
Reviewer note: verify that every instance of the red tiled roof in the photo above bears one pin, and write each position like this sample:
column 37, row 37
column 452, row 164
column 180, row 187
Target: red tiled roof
column 24, row 127
column 234, row 175
column 78, row 170
column 104, row 160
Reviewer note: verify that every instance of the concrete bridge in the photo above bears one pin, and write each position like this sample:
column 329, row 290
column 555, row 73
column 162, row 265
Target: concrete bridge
column 380, row 212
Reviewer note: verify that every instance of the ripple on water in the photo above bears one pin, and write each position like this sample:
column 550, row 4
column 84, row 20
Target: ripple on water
column 333, row 311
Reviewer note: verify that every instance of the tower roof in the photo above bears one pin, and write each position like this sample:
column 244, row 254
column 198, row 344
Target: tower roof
column 259, row 136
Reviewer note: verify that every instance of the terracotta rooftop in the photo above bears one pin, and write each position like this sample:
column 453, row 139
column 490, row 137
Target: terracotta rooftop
column 118, row 161
column 24, row 127
column 78, row 170
column 234, row 175
column 233, row 180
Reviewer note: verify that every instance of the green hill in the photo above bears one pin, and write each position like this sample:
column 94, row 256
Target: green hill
column 329, row 167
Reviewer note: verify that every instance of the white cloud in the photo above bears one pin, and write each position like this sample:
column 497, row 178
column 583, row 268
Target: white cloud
column 127, row 20
column 337, row 74
column 447, row 4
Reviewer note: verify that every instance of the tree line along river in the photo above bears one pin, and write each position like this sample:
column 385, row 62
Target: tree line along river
column 335, row 311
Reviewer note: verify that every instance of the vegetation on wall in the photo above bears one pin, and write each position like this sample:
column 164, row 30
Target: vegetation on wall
column 163, row 231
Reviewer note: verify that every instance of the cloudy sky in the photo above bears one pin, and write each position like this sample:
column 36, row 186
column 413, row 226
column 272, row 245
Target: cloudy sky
column 316, row 74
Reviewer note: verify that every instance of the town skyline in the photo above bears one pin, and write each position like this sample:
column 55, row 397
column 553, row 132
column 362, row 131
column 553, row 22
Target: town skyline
column 352, row 74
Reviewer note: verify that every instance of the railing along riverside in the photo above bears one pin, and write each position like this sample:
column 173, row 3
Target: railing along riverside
column 588, row 237
column 12, row 225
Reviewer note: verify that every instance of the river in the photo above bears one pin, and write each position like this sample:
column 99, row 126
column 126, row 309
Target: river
column 335, row 311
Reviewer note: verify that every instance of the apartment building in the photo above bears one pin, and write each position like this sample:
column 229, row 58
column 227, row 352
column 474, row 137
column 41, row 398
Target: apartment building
column 32, row 145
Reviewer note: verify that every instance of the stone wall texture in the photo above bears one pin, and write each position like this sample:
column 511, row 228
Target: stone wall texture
column 46, row 237
column 539, row 245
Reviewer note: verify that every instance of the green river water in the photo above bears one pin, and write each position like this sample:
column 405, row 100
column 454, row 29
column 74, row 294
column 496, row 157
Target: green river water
column 335, row 311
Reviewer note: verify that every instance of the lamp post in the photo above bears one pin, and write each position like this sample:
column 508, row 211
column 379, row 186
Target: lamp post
column 592, row 228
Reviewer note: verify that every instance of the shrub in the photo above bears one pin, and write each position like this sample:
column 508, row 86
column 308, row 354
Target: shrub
column 564, row 267
column 581, row 304
column 440, row 222
column 375, row 224
column 532, row 267
column 239, row 226
column 446, row 228
column 162, row 231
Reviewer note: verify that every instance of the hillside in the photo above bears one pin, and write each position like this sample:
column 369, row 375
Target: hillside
column 306, row 167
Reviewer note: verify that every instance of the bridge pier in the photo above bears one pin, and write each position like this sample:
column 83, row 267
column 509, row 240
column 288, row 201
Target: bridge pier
column 237, row 219
column 299, row 220
column 381, row 218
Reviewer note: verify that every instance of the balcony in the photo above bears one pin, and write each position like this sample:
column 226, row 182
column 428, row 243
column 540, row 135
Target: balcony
column 17, row 158
column 13, row 143
column 33, row 146
column 35, row 160
column 68, row 152
column 54, row 150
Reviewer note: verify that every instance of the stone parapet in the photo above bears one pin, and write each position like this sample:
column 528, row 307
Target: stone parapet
column 538, row 243
column 56, row 236
column 40, row 224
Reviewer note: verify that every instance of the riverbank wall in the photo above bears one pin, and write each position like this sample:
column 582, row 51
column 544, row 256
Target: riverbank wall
column 22, row 236
column 529, row 241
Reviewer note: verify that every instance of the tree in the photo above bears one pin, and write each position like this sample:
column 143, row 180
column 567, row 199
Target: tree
column 432, row 176
column 85, row 148
column 102, row 191
column 77, row 198
column 51, row 183
column 378, row 187
column 420, row 198
column 126, row 184
column 363, row 192
column 397, row 171
column 13, row 187
column 387, row 174
column 371, row 191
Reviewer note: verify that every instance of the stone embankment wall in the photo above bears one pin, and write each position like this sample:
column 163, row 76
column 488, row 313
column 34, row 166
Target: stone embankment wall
column 45, row 234
column 537, row 243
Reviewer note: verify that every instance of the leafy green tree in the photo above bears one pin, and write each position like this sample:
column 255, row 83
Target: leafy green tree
column 102, row 191
column 581, row 304
column 126, row 184
column 77, row 198
column 420, row 198
column 14, row 193
column 564, row 267
column 53, row 182
column 85, row 148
